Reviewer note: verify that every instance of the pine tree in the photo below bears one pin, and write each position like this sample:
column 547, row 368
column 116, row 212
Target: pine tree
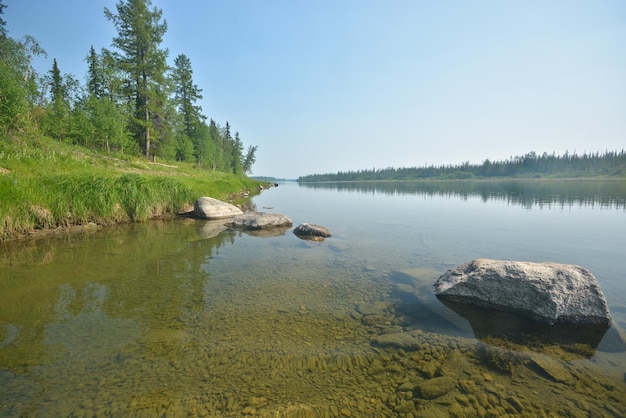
column 190, row 136
column 186, row 94
column 140, row 33
column 217, row 145
column 55, row 122
column 250, row 159
column 236, row 155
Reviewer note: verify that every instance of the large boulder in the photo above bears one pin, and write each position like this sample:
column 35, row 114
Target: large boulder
column 209, row 208
column 259, row 220
column 545, row 292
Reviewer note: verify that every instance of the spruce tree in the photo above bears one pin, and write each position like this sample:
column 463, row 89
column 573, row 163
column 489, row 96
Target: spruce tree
column 58, row 110
column 94, row 74
column 249, row 159
column 186, row 94
column 3, row 23
column 57, row 93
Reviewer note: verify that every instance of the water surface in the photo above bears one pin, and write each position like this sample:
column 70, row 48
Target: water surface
column 185, row 317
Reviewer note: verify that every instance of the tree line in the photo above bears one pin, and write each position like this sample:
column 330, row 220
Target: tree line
column 132, row 101
column 609, row 163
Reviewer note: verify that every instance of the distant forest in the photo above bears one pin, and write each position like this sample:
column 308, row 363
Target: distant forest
column 133, row 101
column 531, row 165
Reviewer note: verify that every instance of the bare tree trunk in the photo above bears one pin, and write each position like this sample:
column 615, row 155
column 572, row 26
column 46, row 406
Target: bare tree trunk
column 147, row 133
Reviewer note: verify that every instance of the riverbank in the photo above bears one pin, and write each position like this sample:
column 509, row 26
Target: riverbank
column 46, row 185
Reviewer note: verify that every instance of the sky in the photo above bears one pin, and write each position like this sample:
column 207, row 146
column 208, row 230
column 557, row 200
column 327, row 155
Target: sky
column 339, row 85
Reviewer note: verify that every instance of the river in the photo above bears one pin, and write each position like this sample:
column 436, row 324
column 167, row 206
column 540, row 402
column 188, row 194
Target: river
column 187, row 318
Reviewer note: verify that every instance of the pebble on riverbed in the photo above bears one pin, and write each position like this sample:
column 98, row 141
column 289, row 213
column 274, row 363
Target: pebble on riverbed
column 308, row 346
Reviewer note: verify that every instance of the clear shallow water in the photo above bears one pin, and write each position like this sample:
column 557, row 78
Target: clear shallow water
column 177, row 318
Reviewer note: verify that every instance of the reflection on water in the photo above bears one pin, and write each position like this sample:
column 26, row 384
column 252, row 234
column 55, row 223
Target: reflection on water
column 187, row 317
column 526, row 193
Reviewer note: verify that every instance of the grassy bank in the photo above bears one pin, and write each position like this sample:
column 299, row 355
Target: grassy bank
column 46, row 184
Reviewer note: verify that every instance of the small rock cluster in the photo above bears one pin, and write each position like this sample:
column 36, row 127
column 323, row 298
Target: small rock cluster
column 213, row 209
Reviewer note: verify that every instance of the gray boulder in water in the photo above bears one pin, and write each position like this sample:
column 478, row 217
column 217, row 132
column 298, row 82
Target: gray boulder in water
column 545, row 292
column 312, row 230
column 259, row 220
column 209, row 208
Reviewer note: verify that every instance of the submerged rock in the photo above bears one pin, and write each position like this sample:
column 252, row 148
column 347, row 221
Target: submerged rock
column 554, row 369
column 311, row 230
column 371, row 308
column 400, row 340
column 259, row 220
column 209, row 208
column 545, row 292
column 436, row 387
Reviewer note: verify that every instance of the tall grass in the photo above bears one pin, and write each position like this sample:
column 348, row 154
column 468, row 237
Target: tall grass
column 82, row 198
column 46, row 185
column 15, row 216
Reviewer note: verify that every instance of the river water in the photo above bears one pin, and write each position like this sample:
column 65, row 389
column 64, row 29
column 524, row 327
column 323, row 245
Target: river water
column 187, row 318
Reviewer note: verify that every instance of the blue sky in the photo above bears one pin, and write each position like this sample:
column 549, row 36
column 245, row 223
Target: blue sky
column 343, row 85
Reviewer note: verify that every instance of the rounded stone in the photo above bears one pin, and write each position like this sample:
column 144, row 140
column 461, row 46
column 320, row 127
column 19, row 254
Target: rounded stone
column 259, row 220
column 312, row 230
column 210, row 208
column 434, row 388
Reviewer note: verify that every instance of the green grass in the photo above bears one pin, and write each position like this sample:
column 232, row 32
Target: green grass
column 46, row 184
